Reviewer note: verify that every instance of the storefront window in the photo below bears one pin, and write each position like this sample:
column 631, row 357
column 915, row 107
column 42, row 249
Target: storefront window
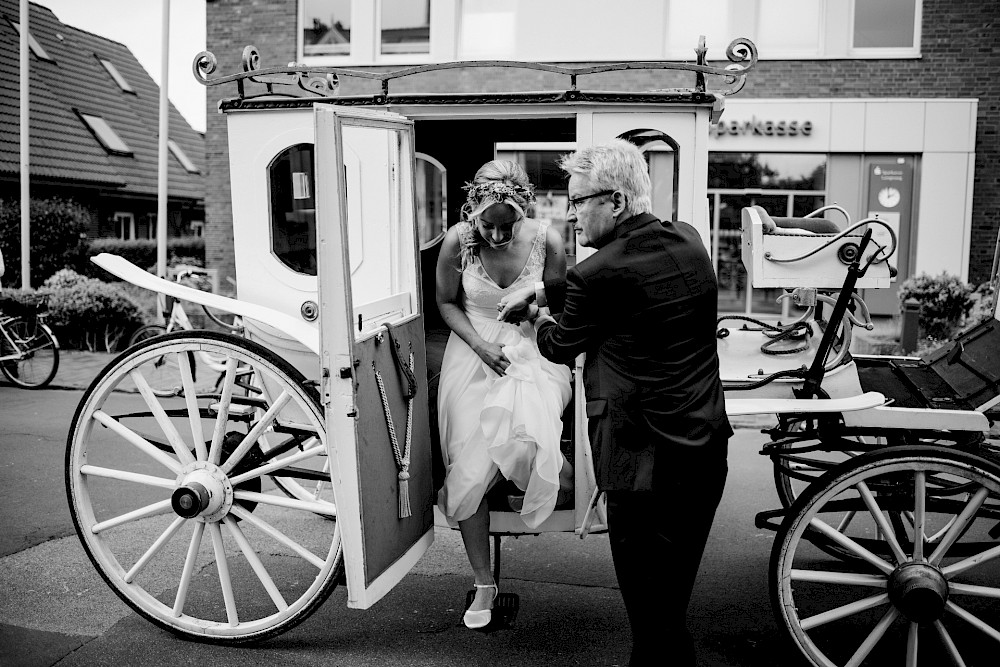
column 292, row 189
column 784, row 185
column 326, row 27
column 406, row 26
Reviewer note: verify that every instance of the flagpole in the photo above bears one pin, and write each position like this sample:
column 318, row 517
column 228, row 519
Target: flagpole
column 162, row 191
column 25, row 162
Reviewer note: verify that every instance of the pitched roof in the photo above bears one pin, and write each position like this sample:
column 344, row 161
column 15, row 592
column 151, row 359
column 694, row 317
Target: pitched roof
column 75, row 82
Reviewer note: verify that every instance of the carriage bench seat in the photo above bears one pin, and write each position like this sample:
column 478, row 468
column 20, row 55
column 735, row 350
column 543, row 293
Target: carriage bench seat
column 802, row 252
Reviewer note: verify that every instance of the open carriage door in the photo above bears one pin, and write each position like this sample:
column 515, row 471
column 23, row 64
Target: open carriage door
column 372, row 345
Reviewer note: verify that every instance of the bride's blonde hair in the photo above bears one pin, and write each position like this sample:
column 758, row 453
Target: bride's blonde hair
column 496, row 182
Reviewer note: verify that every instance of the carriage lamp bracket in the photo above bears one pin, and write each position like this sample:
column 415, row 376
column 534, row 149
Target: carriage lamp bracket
column 309, row 311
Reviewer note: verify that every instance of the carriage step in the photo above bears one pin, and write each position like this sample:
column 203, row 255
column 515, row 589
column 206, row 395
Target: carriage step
column 504, row 610
column 770, row 519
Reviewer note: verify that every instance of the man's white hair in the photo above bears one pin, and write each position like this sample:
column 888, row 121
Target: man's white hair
column 615, row 165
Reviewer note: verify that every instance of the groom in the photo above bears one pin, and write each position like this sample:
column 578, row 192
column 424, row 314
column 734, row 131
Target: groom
column 643, row 308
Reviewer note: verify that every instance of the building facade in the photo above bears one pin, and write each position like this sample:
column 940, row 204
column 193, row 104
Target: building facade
column 882, row 107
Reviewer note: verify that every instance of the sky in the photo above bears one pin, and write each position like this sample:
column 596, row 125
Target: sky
column 136, row 24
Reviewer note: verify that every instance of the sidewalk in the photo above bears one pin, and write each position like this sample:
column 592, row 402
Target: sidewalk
column 78, row 369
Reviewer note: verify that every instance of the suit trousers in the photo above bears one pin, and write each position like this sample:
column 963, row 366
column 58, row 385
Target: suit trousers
column 657, row 540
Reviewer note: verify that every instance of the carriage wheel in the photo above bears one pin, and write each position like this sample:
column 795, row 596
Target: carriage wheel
column 172, row 499
column 925, row 587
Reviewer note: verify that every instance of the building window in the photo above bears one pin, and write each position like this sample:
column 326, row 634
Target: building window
column 405, row 26
column 182, row 157
column 326, row 27
column 116, row 75
column 197, row 228
column 108, row 138
column 124, row 225
column 33, row 44
column 783, row 184
column 884, row 24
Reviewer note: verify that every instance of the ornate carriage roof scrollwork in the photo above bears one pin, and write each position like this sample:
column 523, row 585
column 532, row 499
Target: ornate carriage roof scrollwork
column 299, row 81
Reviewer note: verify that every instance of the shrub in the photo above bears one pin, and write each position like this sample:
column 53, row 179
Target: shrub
column 982, row 308
column 142, row 252
column 944, row 301
column 83, row 312
column 64, row 279
column 58, row 227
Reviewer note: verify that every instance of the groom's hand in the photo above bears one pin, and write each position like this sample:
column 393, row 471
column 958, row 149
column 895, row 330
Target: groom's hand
column 514, row 307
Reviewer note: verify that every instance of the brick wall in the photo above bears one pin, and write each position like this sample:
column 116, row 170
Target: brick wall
column 959, row 59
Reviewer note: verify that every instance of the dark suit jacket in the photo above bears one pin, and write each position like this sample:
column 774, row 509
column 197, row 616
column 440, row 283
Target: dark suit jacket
column 643, row 308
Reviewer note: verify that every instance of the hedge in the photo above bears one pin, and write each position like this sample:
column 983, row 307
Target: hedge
column 142, row 253
column 58, row 229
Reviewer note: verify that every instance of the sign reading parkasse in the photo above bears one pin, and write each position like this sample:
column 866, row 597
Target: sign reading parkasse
column 765, row 128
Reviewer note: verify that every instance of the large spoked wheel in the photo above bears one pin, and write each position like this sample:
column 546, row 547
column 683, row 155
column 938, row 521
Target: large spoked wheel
column 146, row 332
column 173, row 500
column 37, row 351
column 921, row 592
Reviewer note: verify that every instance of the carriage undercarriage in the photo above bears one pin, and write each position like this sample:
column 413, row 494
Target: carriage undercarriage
column 253, row 488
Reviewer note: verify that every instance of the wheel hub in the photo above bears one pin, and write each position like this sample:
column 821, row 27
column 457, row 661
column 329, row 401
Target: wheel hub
column 203, row 492
column 919, row 591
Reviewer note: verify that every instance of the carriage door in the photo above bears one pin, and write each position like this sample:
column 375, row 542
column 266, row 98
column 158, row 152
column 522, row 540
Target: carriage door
column 372, row 345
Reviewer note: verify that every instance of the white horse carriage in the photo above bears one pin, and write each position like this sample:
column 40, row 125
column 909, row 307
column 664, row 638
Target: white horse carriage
column 311, row 463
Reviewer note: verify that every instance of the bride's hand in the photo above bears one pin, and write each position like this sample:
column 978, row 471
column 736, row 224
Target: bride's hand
column 492, row 355
column 514, row 307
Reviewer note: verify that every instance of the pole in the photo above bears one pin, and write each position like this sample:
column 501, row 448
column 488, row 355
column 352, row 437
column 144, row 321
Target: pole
column 25, row 161
column 162, row 191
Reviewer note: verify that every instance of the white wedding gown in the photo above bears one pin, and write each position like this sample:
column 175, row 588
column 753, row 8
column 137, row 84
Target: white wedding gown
column 511, row 422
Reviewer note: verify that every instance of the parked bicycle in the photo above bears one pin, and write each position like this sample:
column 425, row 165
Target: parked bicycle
column 29, row 351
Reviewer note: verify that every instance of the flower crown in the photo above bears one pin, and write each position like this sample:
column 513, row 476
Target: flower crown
column 498, row 191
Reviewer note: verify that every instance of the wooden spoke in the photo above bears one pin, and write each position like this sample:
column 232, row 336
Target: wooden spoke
column 846, row 521
column 228, row 383
column 251, row 555
column 873, row 638
column 251, row 438
column 844, row 578
column 194, row 414
column 883, row 523
column 919, row 514
column 277, row 465
column 167, row 426
column 161, row 507
column 225, row 581
column 971, row 562
column 844, row 611
column 970, row 509
column 137, row 440
column 189, row 562
column 277, row 535
column 160, row 542
column 949, row 644
column 850, row 544
column 326, row 509
column 974, row 590
column 912, row 644
column 126, row 476
column 972, row 620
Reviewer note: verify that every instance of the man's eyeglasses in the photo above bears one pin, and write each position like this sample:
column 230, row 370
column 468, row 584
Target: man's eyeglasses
column 576, row 201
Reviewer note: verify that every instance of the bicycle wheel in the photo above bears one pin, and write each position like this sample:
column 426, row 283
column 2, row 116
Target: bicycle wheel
column 920, row 592
column 38, row 352
column 146, row 332
column 172, row 500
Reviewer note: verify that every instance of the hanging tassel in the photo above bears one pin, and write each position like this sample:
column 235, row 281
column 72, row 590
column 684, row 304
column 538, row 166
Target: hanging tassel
column 404, row 494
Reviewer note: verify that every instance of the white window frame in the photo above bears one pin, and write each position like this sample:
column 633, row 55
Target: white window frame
column 110, row 140
column 116, row 75
column 33, row 44
column 181, row 157
column 835, row 39
column 124, row 218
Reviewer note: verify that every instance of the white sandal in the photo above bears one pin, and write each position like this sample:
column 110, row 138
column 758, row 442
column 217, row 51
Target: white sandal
column 480, row 619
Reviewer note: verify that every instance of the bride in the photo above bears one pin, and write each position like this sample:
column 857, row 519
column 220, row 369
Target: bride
column 499, row 401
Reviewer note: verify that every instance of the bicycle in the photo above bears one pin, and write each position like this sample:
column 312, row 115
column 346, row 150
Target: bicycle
column 29, row 351
column 164, row 373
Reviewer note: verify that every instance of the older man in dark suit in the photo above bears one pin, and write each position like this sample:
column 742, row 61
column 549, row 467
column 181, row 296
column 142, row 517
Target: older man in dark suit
column 643, row 309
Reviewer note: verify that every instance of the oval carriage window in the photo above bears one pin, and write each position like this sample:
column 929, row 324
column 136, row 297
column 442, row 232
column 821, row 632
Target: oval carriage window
column 432, row 199
column 292, row 191
column 664, row 168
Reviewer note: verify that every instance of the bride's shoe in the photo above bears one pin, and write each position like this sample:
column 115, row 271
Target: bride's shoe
column 480, row 619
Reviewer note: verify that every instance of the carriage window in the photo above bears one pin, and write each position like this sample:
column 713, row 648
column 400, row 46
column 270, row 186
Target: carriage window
column 664, row 171
column 432, row 199
column 293, row 208
column 380, row 226
column 326, row 27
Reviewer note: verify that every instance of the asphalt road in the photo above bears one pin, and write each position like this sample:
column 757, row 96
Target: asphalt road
column 56, row 609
